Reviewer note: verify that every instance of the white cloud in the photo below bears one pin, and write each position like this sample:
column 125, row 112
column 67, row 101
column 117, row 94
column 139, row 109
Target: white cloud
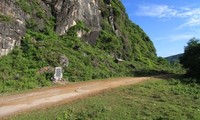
column 156, row 11
column 188, row 12
column 189, row 23
column 181, row 37
column 178, row 37
column 191, row 16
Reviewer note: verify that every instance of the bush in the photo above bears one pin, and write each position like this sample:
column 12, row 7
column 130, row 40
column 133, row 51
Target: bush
column 191, row 58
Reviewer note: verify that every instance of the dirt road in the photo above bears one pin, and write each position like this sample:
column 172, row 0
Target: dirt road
column 61, row 94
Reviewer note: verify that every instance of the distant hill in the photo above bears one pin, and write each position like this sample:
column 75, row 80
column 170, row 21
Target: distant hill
column 174, row 57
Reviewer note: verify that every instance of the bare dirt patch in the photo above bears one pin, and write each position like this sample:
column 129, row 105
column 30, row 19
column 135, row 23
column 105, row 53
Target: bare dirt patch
column 13, row 104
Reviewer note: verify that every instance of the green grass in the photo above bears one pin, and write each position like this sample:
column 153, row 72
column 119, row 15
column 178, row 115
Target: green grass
column 151, row 100
column 5, row 18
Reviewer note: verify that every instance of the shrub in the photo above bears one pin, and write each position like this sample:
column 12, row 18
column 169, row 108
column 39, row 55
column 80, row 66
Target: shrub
column 191, row 58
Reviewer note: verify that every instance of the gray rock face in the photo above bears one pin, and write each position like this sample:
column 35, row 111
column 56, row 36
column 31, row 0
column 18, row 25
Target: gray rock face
column 64, row 61
column 13, row 28
column 66, row 12
column 69, row 12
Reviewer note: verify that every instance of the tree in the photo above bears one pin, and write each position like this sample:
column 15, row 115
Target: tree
column 191, row 58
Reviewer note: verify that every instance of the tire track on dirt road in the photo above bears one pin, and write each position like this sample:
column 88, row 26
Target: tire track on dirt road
column 13, row 104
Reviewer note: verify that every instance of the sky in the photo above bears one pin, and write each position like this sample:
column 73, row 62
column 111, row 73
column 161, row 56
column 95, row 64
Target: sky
column 169, row 23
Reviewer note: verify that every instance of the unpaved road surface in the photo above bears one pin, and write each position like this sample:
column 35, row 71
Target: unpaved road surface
column 13, row 104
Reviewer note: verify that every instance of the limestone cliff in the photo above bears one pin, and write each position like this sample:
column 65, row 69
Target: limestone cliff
column 66, row 12
column 12, row 26
column 95, row 36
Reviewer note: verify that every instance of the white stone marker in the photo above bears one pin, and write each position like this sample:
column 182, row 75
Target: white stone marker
column 58, row 74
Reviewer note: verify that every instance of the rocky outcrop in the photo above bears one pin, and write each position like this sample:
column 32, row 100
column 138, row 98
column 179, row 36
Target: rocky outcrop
column 112, row 23
column 119, row 47
column 69, row 12
column 40, row 16
column 66, row 12
column 12, row 26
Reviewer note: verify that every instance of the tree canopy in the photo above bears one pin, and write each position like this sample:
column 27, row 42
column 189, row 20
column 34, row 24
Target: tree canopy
column 191, row 58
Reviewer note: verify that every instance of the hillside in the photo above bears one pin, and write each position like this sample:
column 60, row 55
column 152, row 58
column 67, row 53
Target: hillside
column 95, row 36
column 174, row 58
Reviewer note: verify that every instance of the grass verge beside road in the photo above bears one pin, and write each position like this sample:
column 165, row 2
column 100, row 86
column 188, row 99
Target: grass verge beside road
column 153, row 99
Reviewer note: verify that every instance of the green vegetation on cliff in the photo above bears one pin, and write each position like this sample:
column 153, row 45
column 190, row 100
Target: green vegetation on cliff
column 42, row 48
column 132, row 43
column 5, row 18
